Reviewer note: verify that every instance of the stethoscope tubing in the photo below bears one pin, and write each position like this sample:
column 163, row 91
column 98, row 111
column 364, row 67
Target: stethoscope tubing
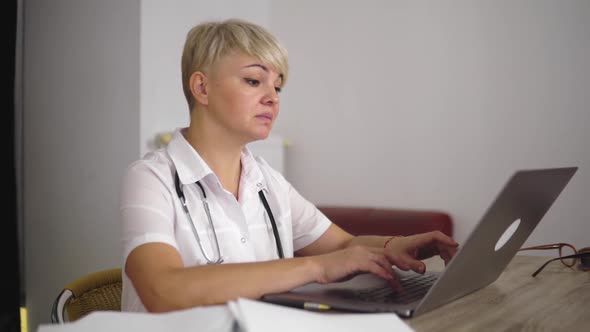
column 219, row 259
column 275, row 230
column 182, row 198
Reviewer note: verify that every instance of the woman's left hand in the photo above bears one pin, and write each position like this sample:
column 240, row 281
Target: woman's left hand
column 406, row 252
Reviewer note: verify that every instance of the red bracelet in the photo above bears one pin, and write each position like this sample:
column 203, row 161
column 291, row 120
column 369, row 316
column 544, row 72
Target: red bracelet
column 391, row 238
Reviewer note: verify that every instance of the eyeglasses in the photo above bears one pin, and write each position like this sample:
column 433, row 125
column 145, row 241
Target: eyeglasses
column 568, row 255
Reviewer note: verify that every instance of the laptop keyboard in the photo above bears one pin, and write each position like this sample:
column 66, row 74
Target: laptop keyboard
column 414, row 287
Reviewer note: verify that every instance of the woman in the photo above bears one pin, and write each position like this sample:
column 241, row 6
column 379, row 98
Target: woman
column 240, row 216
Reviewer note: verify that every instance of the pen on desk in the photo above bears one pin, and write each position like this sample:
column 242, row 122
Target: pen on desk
column 296, row 303
column 315, row 306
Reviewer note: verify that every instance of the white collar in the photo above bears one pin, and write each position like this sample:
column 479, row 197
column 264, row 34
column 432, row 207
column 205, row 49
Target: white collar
column 191, row 167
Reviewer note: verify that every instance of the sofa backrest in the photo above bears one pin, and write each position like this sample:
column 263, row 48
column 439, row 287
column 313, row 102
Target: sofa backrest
column 388, row 221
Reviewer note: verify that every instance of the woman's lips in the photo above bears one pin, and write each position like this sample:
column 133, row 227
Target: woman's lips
column 265, row 116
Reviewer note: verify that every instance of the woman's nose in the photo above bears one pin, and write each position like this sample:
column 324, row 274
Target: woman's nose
column 271, row 97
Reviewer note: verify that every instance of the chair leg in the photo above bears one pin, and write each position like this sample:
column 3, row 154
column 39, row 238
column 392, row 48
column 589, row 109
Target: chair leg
column 59, row 306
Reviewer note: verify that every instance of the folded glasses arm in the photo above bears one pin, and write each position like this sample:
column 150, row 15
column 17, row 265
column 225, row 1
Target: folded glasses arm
column 579, row 255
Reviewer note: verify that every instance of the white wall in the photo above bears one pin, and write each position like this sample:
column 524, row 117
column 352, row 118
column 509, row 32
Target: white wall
column 433, row 105
column 81, row 129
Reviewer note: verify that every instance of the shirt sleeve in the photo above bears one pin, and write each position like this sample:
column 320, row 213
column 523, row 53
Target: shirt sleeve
column 309, row 223
column 146, row 209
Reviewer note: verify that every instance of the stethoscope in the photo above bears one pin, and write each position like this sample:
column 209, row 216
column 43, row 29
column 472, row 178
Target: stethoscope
column 219, row 259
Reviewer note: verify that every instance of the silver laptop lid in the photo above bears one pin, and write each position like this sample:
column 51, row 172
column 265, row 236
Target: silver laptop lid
column 523, row 202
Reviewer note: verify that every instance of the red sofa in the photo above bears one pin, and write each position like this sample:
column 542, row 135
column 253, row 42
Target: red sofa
column 384, row 221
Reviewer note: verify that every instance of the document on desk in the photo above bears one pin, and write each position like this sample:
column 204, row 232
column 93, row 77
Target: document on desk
column 243, row 315
column 212, row 319
column 255, row 316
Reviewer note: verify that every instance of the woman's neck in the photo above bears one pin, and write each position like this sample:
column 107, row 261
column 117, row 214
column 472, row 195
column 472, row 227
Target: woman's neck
column 222, row 156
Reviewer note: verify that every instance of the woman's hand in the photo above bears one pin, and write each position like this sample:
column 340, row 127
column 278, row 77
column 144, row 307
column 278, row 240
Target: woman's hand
column 346, row 263
column 407, row 252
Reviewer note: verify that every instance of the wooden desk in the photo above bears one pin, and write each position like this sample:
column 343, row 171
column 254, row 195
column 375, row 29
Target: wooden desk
column 558, row 299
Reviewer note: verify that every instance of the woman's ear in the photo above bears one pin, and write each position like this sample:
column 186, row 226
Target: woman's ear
column 198, row 85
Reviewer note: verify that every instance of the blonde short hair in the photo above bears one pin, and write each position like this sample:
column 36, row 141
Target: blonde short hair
column 207, row 42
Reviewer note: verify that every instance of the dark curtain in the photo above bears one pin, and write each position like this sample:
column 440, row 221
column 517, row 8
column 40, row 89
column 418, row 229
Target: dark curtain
column 10, row 283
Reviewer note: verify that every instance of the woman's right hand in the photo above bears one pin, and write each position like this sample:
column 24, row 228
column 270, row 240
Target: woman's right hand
column 346, row 263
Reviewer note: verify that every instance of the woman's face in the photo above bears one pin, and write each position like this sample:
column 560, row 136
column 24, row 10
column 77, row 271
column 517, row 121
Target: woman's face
column 243, row 96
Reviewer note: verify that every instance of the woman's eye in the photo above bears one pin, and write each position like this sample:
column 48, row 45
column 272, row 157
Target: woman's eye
column 278, row 89
column 252, row 82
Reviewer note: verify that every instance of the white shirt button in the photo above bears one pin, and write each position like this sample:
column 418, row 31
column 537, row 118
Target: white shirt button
column 259, row 185
column 243, row 240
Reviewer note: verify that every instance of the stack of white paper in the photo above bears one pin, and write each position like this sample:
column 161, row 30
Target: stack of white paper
column 250, row 316
column 215, row 319
column 254, row 316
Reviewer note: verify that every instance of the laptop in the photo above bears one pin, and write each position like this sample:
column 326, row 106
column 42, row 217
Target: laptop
column 496, row 239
